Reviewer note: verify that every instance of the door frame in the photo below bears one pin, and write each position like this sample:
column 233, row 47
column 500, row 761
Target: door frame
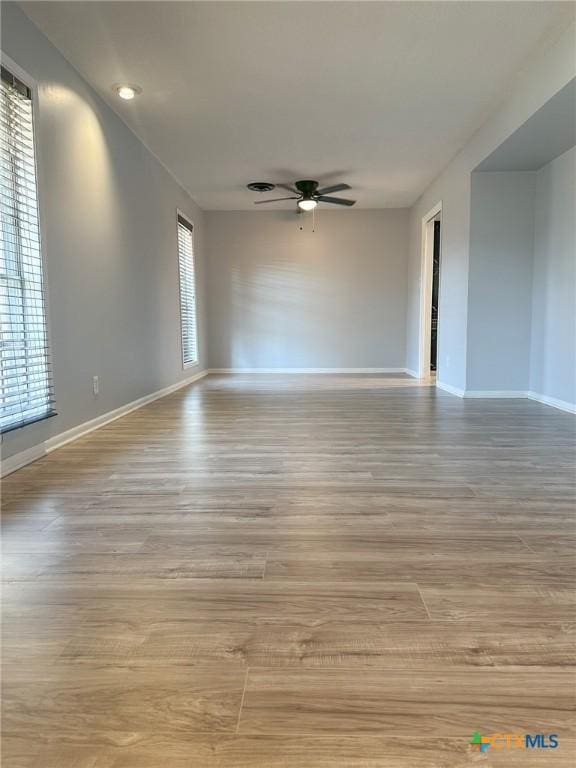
column 426, row 275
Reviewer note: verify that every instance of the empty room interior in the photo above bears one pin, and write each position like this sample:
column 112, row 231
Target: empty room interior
column 288, row 394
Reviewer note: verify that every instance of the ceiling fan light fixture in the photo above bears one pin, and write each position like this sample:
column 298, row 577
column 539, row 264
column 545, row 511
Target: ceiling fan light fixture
column 307, row 205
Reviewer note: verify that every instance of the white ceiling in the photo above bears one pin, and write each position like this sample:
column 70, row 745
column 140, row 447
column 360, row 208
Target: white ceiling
column 378, row 94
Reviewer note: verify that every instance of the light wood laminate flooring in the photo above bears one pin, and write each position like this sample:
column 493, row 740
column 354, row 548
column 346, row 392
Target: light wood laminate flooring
column 294, row 572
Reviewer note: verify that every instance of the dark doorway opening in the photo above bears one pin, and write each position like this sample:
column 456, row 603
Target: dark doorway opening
column 435, row 289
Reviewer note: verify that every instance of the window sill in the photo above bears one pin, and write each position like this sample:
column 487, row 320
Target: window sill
column 28, row 422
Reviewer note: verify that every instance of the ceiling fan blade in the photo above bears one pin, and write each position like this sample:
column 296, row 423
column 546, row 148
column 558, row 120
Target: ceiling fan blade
column 289, row 188
column 333, row 200
column 275, row 200
column 333, row 188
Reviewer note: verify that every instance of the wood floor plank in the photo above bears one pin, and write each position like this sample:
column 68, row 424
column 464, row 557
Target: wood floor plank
column 374, row 752
column 244, row 600
column 388, row 544
column 38, row 641
column 552, row 544
column 442, row 703
column 49, row 542
column 397, row 645
column 483, row 568
column 367, row 751
column 97, row 707
column 494, row 603
column 198, row 561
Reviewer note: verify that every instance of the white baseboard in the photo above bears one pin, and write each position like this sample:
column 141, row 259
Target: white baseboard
column 19, row 460
column 562, row 405
column 493, row 394
column 307, row 370
column 410, row 372
column 449, row 388
column 472, row 394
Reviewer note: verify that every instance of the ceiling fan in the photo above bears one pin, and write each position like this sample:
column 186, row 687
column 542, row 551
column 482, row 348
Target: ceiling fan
column 306, row 193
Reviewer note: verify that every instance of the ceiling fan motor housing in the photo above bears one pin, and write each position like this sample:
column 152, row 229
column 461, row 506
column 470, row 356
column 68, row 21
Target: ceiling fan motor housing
column 307, row 187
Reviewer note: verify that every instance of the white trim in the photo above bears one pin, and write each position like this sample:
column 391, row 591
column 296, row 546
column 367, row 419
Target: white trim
column 494, row 394
column 307, row 370
column 18, row 72
column 426, row 274
column 410, row 372
column 554, row 402
column 507, row 394
column 19, row 460
column 449, row 388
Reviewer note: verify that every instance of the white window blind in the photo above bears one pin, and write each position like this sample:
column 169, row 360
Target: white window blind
column 187, row 292
column 26, row 389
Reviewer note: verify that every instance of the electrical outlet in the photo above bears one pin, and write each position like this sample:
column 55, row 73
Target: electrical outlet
column 95, row 385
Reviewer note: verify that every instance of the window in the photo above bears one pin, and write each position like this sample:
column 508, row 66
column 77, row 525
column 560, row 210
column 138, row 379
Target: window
column 187, row 292
column 25, row 381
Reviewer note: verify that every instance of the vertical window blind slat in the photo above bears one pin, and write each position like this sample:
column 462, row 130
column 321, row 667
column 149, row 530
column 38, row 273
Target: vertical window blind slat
column 25, row 379
column 187, row 292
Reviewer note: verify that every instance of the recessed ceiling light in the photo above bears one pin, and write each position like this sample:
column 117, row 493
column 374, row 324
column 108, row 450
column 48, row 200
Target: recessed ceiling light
column 260, row 186
column 127, row 92
column 307, row 205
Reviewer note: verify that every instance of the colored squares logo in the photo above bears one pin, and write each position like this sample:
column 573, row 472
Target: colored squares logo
column 479, row 742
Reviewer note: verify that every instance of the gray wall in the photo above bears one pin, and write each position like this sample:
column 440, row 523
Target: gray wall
column 109, row 234
column 536, row 84
column 285, row 298
column 553, row 353
column 522, row 281
column 500, row 281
